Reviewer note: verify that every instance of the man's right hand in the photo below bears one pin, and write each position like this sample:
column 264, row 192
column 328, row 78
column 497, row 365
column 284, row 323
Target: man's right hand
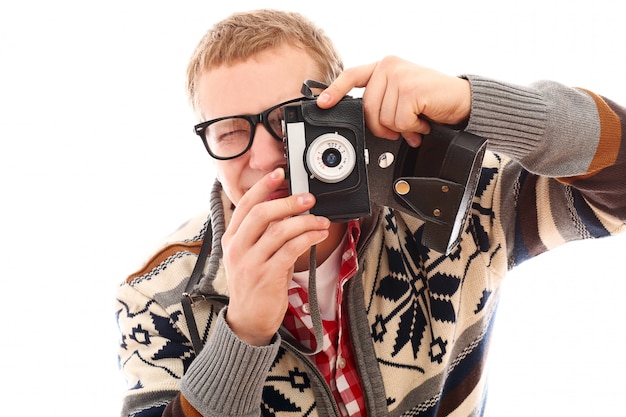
column 261, row 245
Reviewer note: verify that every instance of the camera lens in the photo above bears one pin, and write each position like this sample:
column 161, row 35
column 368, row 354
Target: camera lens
column 331, row 157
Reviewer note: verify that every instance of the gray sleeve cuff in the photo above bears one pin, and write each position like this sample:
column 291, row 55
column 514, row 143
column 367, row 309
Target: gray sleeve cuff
column 227, row 377
column 513, row 118
column 551, row 129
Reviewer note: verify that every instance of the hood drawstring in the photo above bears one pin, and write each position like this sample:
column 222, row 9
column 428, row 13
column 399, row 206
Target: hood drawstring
column 316, row 317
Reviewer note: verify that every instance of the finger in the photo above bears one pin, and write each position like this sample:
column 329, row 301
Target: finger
column 289, row 253
column 413, row 139
column 257, row 194
column 278, row 234
column 381, row 106
column 408, row 113
column 289, row 237
column 356, row 77
column 261, row 216
column 277, row 254
column 410, row 123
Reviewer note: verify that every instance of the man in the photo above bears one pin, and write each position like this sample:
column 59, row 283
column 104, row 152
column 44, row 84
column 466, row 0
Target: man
column 404, row 329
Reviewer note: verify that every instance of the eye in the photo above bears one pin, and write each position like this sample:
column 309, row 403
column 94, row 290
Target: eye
column 228, row 137
column 229, row 130
column 232, row 135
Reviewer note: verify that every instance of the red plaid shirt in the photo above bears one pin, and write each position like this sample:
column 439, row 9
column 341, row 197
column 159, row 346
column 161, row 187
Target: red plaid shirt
column 335, row 361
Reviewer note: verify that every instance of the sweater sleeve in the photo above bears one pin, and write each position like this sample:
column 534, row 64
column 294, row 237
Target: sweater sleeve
column 227, row 377
column 565, row 178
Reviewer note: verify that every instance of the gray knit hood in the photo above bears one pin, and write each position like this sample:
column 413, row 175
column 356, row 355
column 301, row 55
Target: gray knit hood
column 214, row 279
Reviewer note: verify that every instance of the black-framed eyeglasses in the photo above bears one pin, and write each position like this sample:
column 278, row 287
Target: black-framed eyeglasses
column 231, row 136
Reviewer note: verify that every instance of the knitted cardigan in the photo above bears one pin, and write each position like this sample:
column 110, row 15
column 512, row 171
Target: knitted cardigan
column 419, row 321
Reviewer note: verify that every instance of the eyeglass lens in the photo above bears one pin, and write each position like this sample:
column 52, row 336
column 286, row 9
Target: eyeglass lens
column 232, row 136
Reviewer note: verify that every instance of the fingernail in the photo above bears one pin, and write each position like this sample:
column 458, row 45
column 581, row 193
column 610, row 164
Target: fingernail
column 323, row 220
column 275, row 174
column 323, row 235
column 323, row 98
column 305, row 199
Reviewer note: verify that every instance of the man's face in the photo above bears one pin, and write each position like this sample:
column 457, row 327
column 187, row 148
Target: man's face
column 249, row 87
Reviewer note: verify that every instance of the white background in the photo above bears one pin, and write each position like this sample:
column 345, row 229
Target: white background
column 98, row 163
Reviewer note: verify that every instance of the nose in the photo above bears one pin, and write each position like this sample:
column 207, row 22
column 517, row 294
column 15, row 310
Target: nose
column 266, row 153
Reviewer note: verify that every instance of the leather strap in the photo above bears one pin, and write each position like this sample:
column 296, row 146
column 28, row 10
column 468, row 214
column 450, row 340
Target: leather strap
column 435, row 182
column 188, row 297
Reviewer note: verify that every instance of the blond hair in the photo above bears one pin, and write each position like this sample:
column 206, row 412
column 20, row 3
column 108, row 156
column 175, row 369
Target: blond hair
column 242, row 35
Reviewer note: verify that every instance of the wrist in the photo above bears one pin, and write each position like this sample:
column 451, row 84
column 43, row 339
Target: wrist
column 227, row 365
column 464, row 102
column 248, row 333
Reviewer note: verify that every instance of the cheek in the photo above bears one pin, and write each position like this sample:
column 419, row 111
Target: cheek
column 228, row 174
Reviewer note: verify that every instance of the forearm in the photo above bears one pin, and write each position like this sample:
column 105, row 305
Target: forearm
column 551, row 129
column 559, row 132
column 227, row 377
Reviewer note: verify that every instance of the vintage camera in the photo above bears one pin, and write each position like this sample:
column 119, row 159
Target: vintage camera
column 327, row 157
column 329, row 150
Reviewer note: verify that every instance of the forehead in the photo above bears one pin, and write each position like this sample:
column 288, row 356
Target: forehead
column 252, row 85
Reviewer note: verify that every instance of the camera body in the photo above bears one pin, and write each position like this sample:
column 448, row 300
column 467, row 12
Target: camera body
column 327, row 157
